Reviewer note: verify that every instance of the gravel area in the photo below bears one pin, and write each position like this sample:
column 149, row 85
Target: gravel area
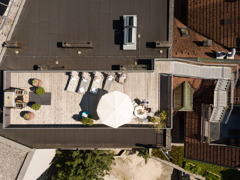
column 132, row 167
column 11, row 161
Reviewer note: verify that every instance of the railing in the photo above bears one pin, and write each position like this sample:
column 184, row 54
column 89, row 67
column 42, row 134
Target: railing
column 220, row 100
column 10, row 20
column 234, row 80
column 5, row 18
column 205, row 126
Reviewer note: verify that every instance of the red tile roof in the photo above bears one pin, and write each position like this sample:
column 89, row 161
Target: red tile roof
column 191, row 46
column 195, row 83
column 218, row 20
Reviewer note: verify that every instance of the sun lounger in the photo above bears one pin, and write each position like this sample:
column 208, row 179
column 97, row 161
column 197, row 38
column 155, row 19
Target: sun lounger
column 72, row 85
column 109, row 82
column 84, row 83
column 230, row 55
column 122, row 79
column 96, row 83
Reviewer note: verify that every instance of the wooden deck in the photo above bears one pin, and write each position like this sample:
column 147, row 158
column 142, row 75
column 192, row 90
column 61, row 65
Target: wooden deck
column 65, row 105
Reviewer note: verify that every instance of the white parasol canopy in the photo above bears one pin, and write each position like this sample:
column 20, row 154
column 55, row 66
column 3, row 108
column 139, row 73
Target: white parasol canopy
column 115, row 109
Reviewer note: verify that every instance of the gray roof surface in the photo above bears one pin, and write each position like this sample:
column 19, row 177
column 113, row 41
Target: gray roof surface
column 43, row 23
column 83, row 138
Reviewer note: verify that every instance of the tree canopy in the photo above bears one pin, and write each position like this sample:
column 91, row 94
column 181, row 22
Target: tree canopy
column 82, row 164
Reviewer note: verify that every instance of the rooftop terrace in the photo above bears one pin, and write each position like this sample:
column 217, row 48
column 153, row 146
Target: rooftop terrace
column 66, row 106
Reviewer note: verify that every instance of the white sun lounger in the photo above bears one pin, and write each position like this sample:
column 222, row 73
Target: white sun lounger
column 84, row 83
column 73, row 82
column 96, row 83
column 109, row 82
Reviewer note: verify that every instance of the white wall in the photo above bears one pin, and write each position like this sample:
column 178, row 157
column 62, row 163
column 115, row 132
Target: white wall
column 39, row 163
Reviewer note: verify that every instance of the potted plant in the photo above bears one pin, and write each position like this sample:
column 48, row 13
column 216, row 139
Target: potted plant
column 28, row 116
column 40, row 91
column 87, row 120
column 36, row 106
column 159, row 120
column 37, row 82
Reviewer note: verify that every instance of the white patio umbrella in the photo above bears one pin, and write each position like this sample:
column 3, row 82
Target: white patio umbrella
column 115, row 109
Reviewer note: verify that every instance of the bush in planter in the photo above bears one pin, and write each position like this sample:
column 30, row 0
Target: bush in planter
column 28, row 116
column 159, row 120
column 36, row 106
column 40, row 91
column 87, row 121
column 37, row 82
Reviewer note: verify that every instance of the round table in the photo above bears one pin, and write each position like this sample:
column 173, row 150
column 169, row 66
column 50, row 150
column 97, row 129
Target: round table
column 142, row 115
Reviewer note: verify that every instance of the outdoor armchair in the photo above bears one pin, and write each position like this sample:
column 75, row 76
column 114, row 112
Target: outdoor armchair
column 230, row 55
column 220, row 55
column 122, row 79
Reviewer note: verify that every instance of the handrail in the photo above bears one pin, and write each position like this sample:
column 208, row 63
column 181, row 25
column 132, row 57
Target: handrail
column 7, row 15
column 209, row 64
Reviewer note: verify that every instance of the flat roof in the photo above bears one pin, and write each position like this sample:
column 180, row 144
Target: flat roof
column 83, row 138
column 43, row 24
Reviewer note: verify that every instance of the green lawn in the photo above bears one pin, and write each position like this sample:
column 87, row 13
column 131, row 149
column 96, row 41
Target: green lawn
column 204, row 169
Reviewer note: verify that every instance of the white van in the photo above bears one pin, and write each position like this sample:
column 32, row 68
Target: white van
column 129, row 32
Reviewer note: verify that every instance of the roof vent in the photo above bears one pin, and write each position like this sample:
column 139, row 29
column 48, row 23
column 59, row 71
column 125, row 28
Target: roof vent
column 207, row 43
column 185, row 32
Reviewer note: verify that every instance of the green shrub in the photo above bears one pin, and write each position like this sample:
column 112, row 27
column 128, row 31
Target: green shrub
column 211, row 176
column 87, row 121
column 158, row 153
column 159, row 120
column 36, row 106
column 40, row 91
column 144, row 152
column 177, row 154
column 197, row 167
column 81, row 164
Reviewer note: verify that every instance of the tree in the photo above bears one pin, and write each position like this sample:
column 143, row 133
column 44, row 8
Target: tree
column 82, row 164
